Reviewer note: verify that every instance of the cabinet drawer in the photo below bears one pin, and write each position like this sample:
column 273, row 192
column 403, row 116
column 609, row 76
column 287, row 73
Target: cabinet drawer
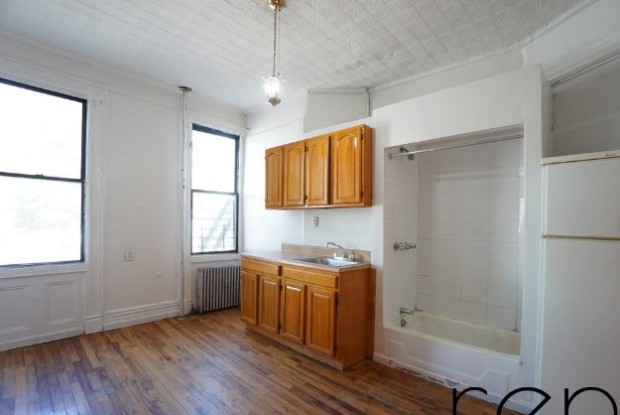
column 260, row 267
column 311, row 277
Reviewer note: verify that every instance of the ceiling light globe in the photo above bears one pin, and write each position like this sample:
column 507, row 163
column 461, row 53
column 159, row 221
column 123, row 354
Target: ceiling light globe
column 272, row 89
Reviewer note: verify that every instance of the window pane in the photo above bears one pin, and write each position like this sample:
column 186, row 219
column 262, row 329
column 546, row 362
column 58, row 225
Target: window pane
column 41, row 221
column 213, row 222
column 213, row 162
column 39, row 133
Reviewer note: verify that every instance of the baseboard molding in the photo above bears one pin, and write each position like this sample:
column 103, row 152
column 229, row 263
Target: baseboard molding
column 130, row 316
column 187, row 307
column 93, row 324
column 41, row 338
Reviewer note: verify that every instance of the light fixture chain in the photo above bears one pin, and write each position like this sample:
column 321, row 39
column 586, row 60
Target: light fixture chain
column 275, row 31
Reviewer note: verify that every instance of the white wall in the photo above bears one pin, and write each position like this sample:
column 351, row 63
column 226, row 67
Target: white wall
column 587, row 112
column 328, row 108
column 134, row 200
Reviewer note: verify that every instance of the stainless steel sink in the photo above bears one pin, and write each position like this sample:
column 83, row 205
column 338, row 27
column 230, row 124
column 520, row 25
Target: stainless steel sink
column 324, row 260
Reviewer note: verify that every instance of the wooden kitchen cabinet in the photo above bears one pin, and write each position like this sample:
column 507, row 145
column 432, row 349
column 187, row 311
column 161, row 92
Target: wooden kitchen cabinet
column 321, row 320
column 325, row 314
column 269, row 303
column 317, row 171
column 293, row 307
column 351, row 167
column 293, row 177
column 249, row 297
column 273, row 177
column 332, row 170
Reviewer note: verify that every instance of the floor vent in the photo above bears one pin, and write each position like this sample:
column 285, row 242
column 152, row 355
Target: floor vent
column 217, row 287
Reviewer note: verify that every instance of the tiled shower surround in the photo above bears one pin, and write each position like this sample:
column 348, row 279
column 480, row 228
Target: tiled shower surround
column 464, row 207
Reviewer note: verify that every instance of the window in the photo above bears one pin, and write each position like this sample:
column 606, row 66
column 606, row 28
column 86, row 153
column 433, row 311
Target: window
column 215, row 197
column 42, row 141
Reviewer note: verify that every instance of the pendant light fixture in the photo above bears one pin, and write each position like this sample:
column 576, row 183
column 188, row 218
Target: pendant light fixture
column 272, row 84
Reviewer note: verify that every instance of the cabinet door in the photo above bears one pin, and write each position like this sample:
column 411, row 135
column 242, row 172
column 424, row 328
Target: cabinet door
column 269, row 303
column 248, row 296
column 273, row 177
column 293, row 311
column 346, row 170
column 321, row 320
column 317, row 171
column 293, row 183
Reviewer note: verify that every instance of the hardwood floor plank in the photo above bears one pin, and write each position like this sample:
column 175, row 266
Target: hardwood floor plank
column 205, row 364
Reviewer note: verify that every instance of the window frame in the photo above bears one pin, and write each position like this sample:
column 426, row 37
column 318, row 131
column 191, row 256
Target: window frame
column 81, row 180
column 237, row 139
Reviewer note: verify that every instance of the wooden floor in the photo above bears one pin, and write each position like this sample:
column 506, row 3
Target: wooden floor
column 205, row 364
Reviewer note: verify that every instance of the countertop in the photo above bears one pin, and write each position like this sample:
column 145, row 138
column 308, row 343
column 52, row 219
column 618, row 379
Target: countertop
column 288, row 258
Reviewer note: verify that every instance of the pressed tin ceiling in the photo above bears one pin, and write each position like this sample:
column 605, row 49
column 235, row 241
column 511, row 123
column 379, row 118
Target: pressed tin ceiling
column 223, row 48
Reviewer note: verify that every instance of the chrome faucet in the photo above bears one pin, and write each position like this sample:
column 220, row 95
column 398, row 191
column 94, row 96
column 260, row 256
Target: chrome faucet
column 350, row 257
column 334, row 244
column 405, row 310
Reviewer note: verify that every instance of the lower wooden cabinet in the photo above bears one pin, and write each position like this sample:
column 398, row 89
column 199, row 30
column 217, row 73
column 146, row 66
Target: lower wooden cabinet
column 320, row 313
column 321, row 320
column 269, row 303
column 249, row 297
column 293, row 308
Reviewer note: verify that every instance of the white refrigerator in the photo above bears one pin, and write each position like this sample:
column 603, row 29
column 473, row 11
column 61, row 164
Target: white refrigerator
column 581, row 281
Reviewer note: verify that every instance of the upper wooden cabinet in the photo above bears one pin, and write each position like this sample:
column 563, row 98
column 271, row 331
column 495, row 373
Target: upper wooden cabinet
column 293, row 178
column 351, row 167
column 317, row 171
column 332, row 170
column 273, row 177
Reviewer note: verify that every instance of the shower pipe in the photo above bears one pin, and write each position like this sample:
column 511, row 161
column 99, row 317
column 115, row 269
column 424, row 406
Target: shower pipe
column 411, row 154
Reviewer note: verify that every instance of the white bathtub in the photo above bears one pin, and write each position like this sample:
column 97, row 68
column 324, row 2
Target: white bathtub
column 457, row 354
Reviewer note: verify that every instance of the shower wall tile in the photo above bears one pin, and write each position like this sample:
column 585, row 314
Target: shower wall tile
column 449, row 307
column 475, row 230
column 474, row 271
column 426, row 303
column 448, row 268
column 503, row 209
column 476, row 251
column 470, row 238
column 504, row 253
column 504, row 231
column 502, row 295
column 502, row 318
column 448, row 289
column 474, row 313
column 475, row 209
column 427, row 285
column 503, row 274
column 474, row 292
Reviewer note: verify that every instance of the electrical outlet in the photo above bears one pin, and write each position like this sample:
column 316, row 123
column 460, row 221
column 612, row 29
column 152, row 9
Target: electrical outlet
column 315, row 221
column 130, row 255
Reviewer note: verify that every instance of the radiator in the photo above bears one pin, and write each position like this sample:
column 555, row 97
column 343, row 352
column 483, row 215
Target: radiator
column 217, row 287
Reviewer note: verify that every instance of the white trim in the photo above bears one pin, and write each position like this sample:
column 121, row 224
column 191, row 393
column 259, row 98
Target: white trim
column 197, row 259
column 93, row 324
column 130, row 316
column 187, row 307
column 38, row 270
column 40, row 338
column 584, row 61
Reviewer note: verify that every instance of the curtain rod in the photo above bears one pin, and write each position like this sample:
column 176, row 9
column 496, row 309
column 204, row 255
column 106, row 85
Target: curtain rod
column 411, row 154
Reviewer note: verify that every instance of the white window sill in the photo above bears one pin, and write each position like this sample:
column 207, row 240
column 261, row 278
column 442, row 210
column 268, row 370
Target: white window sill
column 196, row 259
column 33, row 271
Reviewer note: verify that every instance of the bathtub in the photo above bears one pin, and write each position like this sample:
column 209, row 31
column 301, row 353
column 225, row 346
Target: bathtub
column 458, row 354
